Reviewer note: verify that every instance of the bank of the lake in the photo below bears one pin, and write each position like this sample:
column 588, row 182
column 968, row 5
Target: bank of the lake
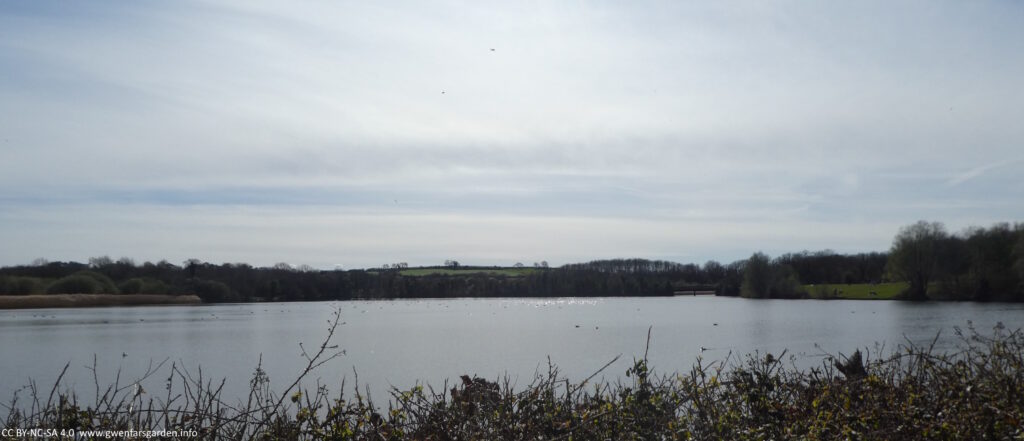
column 93, row 300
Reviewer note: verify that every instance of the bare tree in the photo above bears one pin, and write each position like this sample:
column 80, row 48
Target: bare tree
column 99, row 262
column 915, row 255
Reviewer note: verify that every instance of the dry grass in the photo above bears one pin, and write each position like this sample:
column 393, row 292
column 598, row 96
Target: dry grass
column 83, row 300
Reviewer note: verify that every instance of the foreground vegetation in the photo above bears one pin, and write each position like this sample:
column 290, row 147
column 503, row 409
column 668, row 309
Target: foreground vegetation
column 914, row 393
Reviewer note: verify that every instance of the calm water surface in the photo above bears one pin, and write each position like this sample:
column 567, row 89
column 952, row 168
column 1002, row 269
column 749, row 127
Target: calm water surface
column 402, row 342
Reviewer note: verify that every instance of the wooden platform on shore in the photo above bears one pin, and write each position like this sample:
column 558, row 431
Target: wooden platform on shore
column 693, row 293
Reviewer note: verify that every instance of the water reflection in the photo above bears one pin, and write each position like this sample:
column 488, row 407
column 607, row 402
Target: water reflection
column 401, row 342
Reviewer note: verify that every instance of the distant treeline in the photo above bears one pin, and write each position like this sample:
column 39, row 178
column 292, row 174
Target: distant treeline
column 978, row 264
column 232, row 282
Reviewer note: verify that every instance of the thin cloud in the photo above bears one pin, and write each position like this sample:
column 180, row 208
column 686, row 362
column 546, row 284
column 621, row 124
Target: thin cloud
column 975, row 172
column 681, row 114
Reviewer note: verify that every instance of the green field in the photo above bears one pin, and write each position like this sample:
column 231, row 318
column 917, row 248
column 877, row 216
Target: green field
column 859, row 291
column 507, row 272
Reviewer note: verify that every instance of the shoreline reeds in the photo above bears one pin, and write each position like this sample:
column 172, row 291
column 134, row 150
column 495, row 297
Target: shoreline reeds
column 38, row 301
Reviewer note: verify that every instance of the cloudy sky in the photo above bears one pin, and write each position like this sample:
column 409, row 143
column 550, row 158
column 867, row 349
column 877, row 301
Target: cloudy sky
column 361, row 133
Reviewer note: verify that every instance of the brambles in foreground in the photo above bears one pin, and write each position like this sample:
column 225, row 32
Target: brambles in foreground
column 914, row 393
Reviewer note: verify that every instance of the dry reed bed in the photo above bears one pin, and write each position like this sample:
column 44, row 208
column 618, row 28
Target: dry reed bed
column 85, row 300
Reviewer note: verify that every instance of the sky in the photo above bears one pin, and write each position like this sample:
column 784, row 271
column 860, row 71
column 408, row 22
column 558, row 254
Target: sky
column 354, row 134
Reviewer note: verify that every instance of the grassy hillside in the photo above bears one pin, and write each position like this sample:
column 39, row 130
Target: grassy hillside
column 508, row 272
column 859, row 291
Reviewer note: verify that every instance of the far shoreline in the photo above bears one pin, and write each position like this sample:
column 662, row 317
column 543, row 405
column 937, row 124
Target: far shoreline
column 39, row 301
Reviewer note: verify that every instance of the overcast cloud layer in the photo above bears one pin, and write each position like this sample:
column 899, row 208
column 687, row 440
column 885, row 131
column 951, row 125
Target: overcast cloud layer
column 361, row 133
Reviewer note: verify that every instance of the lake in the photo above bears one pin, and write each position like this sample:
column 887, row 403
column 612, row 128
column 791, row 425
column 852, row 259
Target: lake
column 402, row 342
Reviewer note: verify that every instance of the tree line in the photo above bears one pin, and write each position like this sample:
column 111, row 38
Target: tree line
column 235, row 282
column 978, row 264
